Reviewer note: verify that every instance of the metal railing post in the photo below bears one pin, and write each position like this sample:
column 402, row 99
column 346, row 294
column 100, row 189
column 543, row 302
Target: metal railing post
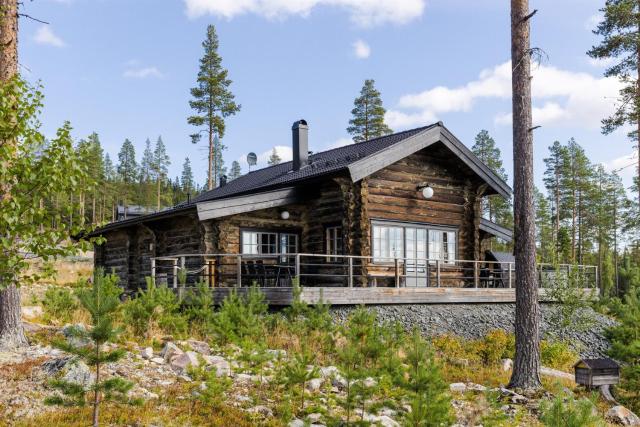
column 153, row 270
column 437, row 272
column 239, row 258
column 297, row 269
column 175, row 273
column 183, row 265
column 510, row 279
column 350, row 260
column 397, row 267
column 476, row 275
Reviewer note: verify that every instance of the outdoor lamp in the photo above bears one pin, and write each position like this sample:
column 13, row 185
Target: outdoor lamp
column 427, row 191
column 284, row 214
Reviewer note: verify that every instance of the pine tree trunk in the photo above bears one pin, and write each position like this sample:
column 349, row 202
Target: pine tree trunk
column 11, row 330
column 210, row 181
column 526, row 367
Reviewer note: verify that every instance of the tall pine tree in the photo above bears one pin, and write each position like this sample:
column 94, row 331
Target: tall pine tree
column 186, row 180
column 212, row 102
column 161, row 164
column 274, row 158
column 127, row 171
column 368, row 115
column 236, row 171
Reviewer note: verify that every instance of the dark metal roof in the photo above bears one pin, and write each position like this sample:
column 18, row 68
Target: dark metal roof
column 604, row 363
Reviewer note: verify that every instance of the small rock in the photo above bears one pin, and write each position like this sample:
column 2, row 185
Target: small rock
column 277, row 354
column 369, row 382
column 169, row 351
column 506, row 364
column 513, row 396
column 220, row 364
column 52, row 366
column 457, row 387
column 147, row 353
column 245, row 379
column 72, row 332
column 199, row 346
column 314, row 384
column 339, row 382
column 262, row 410
column 315, row 417
column 158, row 360
column 388, row 412
column 296, row 423
column 329, row 371
column 621, row 415
column 476, row 387
column 182, row 361
column 79, row 373
column 32, row 311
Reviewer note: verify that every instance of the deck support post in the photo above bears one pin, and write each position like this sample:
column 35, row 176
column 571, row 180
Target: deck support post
column 183, row 267
column 476, row 275
column 175, row 272
column 153, row 270
column 396, row 264
column 437, row 272
column 350, row 279
column 239, row 280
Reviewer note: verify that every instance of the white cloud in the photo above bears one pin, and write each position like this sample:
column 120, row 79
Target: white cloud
column 361, row 49
column 45, row 35
column 364, row 13
column 592, row 22
column 625, row 166
column 142, row 73
column 600, row 62
column 560, row 97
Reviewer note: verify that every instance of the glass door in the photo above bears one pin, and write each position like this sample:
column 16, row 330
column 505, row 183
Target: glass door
column 416, row 268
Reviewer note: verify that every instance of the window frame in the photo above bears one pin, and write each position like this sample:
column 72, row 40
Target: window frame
column 330, row 235
column 278, row 236
column 429, row 227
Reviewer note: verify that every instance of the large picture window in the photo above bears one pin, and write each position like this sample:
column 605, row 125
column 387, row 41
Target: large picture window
column 334, row 242
column 414, row 241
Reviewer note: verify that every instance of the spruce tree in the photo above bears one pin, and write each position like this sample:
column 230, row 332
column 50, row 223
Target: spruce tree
column 212, row 101
column 274, row 158
column 127, row 171
column 368, row 115
column 161, row 164
column 236, row 171
column 620, row 32
column 186, row 180
column 101, row 301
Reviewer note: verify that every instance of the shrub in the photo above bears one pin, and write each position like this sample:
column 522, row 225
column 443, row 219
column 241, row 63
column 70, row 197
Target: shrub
column 200, row 307
column 59, row 304
column 155, row 306
column 496, row 345
column 239, row 317
column 568, row 412
column 557, row 355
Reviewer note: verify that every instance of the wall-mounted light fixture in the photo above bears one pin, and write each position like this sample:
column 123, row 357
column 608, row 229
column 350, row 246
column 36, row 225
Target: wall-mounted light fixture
column 427, row 190
column 284, row 214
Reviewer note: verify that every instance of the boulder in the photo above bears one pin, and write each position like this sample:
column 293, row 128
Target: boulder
column 457, row 387
column 621, row 415
column 32, row 311
column 339, row 382
column 78, row 372
column 182, row 361
column 169, row 351
column 199, row 346
column 380, row 420
column 314, row 384
column 506, row 364
column 147, row 353
column 52, row 366
column 476, row 387
column 220, row 364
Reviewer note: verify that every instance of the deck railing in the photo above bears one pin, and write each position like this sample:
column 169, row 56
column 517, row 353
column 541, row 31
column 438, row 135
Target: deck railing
column 279, row 270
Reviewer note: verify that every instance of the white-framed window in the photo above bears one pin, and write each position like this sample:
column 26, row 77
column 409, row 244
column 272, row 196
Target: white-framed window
column 259, row 242
column 288, row 245
column 333, row 240
column 416, row 242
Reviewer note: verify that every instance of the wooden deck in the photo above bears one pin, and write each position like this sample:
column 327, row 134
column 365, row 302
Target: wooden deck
column 372, row 296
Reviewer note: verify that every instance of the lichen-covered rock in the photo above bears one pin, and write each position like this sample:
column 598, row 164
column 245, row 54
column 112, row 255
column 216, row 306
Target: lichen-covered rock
column 78, row 372
column 621, row 415
column 185, row 360
column 314, row 384
column 169, row 351
column 219, row 363
column 457, row 387
column 147, row 353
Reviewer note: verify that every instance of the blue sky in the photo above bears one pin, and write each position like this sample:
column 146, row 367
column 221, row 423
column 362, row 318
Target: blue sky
column 123, row 68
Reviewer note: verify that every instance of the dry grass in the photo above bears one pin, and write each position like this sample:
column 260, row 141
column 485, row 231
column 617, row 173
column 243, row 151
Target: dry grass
column 20, row 371
column 68, row 271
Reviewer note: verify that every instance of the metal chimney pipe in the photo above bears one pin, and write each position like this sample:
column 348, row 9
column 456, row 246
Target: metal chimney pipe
column 300, row 144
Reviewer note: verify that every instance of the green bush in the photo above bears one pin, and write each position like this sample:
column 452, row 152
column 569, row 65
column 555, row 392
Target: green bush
column 154, row 307
column 557, row 355
column 568, row 412
column 496, row 345
column 240, row 318
column 59, row 305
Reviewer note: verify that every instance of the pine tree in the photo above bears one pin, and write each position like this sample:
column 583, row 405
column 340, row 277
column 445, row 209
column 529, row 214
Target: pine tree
column 186, row 181
column 101, row 301
column 554, row 167
column 274, row 158
column 161, row 164
column 430, row 402
column 236, row 171
column 368, row 115
column 544, row 229
column 212, row 101
column 221, row 169
column 146, row 163
column 620, row 31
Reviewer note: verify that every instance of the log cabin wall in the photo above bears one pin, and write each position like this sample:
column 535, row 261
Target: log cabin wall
column 113, row 255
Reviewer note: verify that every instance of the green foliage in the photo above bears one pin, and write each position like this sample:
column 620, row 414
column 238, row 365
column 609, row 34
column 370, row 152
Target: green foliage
column 422, row 379
column 240, row 318
column 558, row 355
column 155, row 306
column 625, row 347
column 567, row 412
column 368, row 115
column 59, row 304
column 199, row 307
column 102, row 302
column 34, row 172
column 212, row 394
column 297, row 373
